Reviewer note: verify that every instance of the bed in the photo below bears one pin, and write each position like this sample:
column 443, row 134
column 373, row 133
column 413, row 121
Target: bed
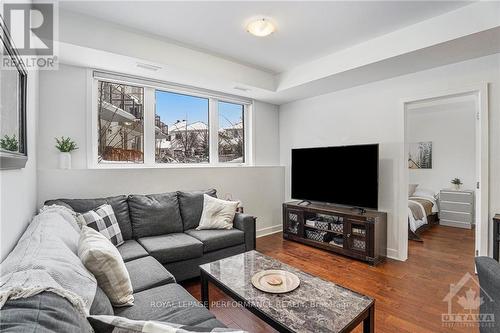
column 422, row 212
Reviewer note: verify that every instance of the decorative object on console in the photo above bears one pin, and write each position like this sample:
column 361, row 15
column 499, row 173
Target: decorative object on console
column 420, row 155
column 240, row 208
column 275, row 281
column 65, row 147
column 457, row 183
column 217, row 213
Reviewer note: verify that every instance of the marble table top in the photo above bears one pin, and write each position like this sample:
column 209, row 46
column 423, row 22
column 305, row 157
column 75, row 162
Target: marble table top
column 316, row 305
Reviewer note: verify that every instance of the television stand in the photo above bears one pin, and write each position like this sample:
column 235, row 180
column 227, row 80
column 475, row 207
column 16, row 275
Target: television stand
column 350, row 232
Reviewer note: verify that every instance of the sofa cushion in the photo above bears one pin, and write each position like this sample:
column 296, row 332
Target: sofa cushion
column 155, row 214
column 146, row 273
column 105, row 324
column 42, row 313
column 217, row 239
column 170, row 303
column 172, row 247
column 191, row 206
column 119, row 204
column 101, row 305
column 131, row 250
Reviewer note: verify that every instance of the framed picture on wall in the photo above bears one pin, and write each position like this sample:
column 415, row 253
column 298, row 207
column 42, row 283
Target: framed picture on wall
column 13, row 81
column 420, row 155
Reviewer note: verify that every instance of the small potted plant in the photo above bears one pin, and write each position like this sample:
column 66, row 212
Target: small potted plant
column 65, row 146
column 457, row 183
column 9, row 143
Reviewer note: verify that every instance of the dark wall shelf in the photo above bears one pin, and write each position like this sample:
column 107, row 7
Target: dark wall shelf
column 370, row 247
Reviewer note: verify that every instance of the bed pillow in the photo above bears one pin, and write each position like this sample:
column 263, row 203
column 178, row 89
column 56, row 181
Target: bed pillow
column 103, row 220
column 423, row 192
column 217, row 213
column 103, row 260
column 411, row 189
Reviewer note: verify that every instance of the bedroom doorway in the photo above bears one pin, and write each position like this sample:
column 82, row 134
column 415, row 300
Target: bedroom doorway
column 446, row 138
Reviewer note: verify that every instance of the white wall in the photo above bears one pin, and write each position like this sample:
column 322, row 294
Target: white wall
column 19, row 187
column 63, row 107
column 451, row 128
column 373, row 113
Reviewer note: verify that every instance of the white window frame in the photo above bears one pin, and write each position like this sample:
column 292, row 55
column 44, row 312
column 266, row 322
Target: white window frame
column 150, row 88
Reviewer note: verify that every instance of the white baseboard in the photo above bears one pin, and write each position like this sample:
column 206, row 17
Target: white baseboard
column 269, row 230
column 393, row 254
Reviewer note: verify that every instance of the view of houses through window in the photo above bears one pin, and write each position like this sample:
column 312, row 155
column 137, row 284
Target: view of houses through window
column 120, row 123
column 181, row 125
column 231, row 134
column 186, row 119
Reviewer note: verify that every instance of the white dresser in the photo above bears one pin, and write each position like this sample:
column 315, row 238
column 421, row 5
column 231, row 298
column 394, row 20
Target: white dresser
column 456, row 208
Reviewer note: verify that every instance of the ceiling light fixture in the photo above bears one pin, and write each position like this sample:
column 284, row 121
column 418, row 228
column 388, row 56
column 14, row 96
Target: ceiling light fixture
column 261, row 27
column 148, row 66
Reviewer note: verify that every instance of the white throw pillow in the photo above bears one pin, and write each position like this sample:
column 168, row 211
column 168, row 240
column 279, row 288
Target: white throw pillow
column 217, row 213
column 103, row 260
column 423, row 192
column 411, row 189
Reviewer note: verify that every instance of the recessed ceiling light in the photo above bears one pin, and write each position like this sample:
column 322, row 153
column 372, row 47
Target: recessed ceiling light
column 261, row 27
column 241, row 88
column 148, row 66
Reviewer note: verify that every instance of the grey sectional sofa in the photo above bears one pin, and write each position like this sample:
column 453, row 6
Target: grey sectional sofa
column 161, row 248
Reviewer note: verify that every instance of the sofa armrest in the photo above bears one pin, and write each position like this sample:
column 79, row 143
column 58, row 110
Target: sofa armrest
column 246, row 223
column 488, row 273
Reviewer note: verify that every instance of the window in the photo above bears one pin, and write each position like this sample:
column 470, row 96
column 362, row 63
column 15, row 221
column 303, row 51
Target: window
column 182, row 134
column 120, row 123
column 137, row 122
column 231, row 136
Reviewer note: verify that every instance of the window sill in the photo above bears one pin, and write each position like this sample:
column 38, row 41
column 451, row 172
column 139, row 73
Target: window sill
column 183, row 166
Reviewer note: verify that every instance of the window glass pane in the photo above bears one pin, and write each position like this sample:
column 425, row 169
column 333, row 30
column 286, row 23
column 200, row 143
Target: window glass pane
column 120, row 123
column 231, row 133
column 182, row 134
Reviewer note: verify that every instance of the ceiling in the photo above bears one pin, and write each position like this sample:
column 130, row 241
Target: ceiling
column 305, row 32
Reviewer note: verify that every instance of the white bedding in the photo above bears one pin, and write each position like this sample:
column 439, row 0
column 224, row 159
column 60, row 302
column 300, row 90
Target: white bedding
column 435, row 208
column 417, row 223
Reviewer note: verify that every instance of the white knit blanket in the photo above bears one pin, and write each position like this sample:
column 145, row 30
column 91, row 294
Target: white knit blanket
column 46, row 259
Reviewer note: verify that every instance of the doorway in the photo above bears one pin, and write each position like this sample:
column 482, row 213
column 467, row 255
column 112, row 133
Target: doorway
column 420, row 154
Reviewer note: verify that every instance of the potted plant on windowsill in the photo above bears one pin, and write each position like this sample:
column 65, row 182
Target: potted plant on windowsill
column 457, row 183
column 65, row 147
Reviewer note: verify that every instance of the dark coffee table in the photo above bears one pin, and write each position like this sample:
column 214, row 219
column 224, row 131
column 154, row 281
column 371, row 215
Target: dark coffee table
column 315, row 306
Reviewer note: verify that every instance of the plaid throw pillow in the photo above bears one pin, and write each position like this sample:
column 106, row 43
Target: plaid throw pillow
column 113, row 324
column 103, row 220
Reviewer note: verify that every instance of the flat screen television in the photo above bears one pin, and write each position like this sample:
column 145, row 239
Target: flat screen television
column 344, row 175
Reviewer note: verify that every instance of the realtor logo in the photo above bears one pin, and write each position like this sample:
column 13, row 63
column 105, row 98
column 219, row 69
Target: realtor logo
column 464, row 303
column 32, row 29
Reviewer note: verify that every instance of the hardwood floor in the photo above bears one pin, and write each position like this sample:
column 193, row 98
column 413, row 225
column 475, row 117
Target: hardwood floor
column 409, row 295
